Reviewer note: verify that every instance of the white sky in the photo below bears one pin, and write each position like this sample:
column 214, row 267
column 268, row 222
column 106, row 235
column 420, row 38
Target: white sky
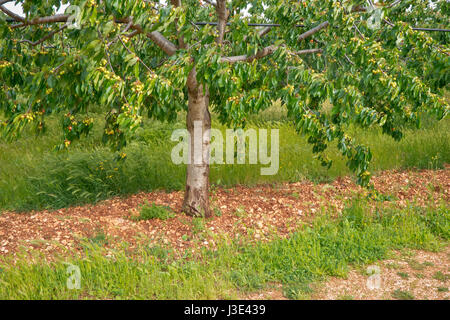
column 17, row 9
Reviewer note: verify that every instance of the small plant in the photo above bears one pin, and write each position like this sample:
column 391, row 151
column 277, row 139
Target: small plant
column 407, row 253
column 297, row 291
column 378, row 196
column 198, row 225
column 152, row 211
column 433, row 164
column 402, row 295
column 159, row 252
column 346, row 297
column 415, row 265
column 240, row 212
column 403, row 275
column 99, row 239
column 442, row 289
column 440, row 276
column 217, row 212
column 393, row 265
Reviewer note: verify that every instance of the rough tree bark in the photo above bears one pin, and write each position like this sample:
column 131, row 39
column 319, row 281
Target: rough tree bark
column 198, row 122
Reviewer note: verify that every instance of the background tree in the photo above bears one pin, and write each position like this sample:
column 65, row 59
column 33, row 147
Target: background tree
column 136, row 56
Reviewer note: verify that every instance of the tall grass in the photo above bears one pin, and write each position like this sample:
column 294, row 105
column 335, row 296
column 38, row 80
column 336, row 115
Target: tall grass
column 32, row 176
column 327, row 248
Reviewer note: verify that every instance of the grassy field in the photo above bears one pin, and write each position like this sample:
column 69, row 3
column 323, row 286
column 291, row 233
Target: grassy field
column 32, row 176
column 328, row 247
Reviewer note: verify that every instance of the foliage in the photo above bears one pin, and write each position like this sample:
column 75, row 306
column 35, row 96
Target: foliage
column 384, row 76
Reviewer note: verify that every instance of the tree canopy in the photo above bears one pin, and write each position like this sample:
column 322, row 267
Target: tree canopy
column 136, row 57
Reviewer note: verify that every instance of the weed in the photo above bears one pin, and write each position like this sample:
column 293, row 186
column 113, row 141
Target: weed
column 297, row 291
column 240, row 212
column 198, row 225
column 402, row 295
column 217, row 212
column 393, row 265
column 346, row 297
column 438, row 275
column 159, row 252
column 415, row 265
column 99, row 239
column 152, row 211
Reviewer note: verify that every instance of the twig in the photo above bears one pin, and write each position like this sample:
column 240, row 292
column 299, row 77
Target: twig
column 131, row 52
column 48, row 36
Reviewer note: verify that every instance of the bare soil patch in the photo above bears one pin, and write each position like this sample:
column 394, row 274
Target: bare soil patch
column 409, row 275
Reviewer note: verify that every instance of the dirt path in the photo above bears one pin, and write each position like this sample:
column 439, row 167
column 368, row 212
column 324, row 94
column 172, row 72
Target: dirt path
column 408, row 275
column 256, row 213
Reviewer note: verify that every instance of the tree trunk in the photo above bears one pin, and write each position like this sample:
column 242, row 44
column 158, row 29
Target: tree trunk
column 198, row 122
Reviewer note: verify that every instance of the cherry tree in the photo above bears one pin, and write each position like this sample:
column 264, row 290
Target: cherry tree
column 376, row 63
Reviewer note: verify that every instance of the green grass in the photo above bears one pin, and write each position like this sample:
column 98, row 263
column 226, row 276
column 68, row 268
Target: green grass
column 346, row 297
column 415, row 265
column 441, row 276
column 329, row 247
column 152, row 211
column 100, row 238
column 297, row 291
column 32, row 176
column 402, row 295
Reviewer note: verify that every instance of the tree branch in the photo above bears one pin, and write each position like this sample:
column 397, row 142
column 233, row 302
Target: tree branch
column 359, row 9
column 181, row 43
column 131, row 52
column 132, row 34
column 309, row 33
column 264, row 53
column 10, row 13
column 260, row 54
column 264, row 31
column 222, row 14
column 308, row 51
column 41, row 20
column 165, row 45
column 48, row 36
